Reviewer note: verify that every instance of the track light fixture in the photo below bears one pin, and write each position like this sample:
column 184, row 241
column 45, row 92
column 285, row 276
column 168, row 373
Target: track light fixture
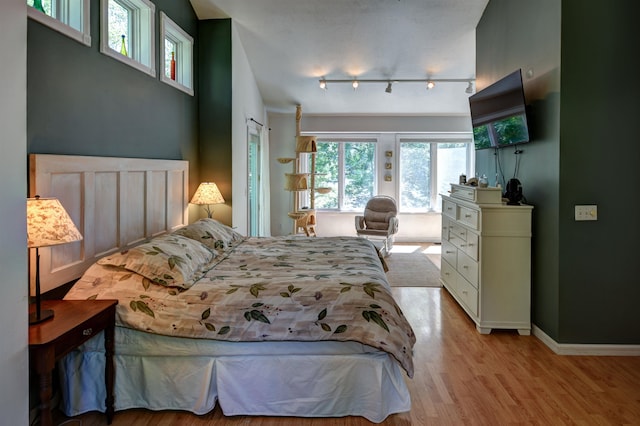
column 430, row 82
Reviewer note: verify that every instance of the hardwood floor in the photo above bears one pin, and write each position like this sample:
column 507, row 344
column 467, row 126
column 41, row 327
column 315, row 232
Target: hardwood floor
column 463, row 377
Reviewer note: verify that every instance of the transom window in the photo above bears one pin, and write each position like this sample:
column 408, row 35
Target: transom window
column 69, row 17
column 426, row 168
column 347, row 166
column 127, row 33
column 177, row 55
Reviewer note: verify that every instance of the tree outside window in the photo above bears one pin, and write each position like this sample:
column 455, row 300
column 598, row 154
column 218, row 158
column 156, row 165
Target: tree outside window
column 426, row 170
column 348, row 168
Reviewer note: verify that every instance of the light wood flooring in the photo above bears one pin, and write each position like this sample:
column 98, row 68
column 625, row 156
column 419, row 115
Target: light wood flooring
column 464, row 378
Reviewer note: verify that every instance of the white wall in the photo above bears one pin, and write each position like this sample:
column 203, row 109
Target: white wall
column 14, row 359
column 246, row 104
column 413, row 227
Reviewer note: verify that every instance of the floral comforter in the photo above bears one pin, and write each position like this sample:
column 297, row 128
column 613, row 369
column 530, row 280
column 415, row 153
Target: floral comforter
column 267, row 289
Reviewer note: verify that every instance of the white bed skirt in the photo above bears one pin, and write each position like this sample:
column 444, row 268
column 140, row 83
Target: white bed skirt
column 305, row 379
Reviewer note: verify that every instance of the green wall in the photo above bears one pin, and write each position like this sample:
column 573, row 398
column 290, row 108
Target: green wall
column 583, row 111
column 82, row 102
column 599, row 153
column 215, row 109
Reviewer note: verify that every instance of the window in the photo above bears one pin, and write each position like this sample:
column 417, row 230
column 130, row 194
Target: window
column 176, row 50
column 69, row 17
column 127, row 33
column 427, row 168
column 347, row 166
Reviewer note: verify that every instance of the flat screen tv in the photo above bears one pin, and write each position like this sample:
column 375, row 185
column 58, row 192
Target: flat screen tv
column 498, row 113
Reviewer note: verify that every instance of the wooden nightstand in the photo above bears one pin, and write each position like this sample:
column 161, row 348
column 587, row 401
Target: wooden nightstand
column 74, row 322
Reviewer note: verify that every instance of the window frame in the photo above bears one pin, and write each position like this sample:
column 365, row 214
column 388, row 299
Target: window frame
column 184, row 54
column 61, row 23
column 142, row 37
column 342, row 140
column 433, row 140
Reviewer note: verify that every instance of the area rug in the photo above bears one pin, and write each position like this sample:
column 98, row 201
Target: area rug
column 414, row 265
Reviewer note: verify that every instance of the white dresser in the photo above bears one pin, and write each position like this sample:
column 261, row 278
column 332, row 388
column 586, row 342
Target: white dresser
column 486, row 257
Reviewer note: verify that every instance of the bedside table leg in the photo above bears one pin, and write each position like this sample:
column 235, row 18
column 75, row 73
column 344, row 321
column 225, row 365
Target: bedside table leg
column 44, row 382
column 109, row 372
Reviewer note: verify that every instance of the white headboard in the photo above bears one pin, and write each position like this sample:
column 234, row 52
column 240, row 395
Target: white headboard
column 114, row 202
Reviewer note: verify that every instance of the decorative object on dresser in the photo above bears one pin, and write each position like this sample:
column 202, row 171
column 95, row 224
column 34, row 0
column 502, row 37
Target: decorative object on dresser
column 486, row 257
column 206, row 195
column 76, row 322
column 48, row 224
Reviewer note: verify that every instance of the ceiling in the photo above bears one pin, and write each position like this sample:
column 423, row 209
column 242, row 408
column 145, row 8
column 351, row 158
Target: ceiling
column 292, row 44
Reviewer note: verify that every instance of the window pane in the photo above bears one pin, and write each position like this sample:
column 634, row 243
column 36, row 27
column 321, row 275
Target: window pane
column 47, row 6
column 327, row 169
column 169, row 49
column 119, row 24
column 452, row 161
column 359, row 174
column 414, row 171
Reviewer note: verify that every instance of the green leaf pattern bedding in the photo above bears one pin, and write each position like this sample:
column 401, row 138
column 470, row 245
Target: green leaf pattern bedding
column 267, row 289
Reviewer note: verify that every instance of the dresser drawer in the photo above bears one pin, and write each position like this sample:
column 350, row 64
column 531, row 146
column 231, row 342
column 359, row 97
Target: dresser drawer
column 446, row 226
column 459, row 232
column 448, row 274
column 469, row 217
column 449, row 208
column 477, row 195
column 463, row 192
column 468, row 268
column 470, row 246
column 468, row 295
column 449, row 253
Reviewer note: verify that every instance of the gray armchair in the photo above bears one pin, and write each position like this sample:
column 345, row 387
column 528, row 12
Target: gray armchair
column 379, row 222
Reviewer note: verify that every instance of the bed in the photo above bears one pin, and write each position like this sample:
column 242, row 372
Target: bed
column 280, row 326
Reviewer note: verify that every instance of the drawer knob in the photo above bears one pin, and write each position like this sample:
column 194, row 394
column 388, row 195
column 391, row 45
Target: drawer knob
column 87, row 331
column 465, row 267
column 467, row 215
column 448, row 252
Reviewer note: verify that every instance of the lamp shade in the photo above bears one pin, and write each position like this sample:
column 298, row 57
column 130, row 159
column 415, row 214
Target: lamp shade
column 48, row 223
column 207, row 193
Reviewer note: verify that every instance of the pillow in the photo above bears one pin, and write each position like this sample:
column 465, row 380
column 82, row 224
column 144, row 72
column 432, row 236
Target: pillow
column 169, row 260
column 212, row 234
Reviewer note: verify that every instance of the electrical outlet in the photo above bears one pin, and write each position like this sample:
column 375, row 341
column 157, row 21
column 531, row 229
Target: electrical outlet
column 589, row 212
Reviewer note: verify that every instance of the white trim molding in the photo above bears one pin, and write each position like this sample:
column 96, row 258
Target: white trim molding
column 585, row 349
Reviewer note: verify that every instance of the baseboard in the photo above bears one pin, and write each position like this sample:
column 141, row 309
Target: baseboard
column 585, row 349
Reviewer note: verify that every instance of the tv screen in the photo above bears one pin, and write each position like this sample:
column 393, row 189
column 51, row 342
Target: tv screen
column 498, row 113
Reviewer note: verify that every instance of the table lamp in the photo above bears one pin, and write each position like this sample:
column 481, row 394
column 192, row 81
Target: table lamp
column 207, row 194
column 48, row 224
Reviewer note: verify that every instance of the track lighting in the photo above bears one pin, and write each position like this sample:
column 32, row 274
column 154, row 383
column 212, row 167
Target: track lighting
column 430, row 82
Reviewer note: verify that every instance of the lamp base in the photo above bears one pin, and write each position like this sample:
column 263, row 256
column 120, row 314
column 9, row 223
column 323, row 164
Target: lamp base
column 44, row 315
